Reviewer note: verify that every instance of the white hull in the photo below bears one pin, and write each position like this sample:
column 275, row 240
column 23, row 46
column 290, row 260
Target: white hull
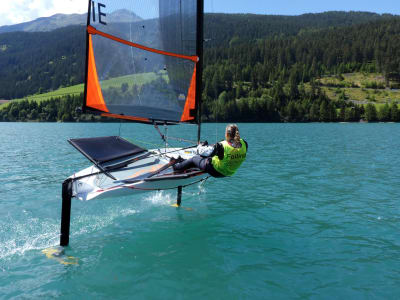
column 101, row 186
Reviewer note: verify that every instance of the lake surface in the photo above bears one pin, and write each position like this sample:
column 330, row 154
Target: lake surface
column 314, row 213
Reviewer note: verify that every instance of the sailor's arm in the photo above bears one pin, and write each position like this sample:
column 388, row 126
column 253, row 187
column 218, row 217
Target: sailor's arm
column 206, row 150
column 217, row 149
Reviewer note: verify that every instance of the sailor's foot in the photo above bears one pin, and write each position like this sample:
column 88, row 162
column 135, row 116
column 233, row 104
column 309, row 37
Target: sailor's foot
column 173, row 160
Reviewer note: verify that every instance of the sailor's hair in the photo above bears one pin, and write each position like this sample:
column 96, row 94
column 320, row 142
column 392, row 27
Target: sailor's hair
column 232, row 131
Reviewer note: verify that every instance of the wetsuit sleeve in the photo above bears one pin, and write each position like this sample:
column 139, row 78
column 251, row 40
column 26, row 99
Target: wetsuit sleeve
column 219, row 150
column 247, row 145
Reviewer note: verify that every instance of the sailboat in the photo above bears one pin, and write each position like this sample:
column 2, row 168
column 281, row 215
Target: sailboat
column 143, row 64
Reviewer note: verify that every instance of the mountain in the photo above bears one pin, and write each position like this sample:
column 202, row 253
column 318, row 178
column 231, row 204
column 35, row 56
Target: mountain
column 63, row 20
column 123, row 16
column 47, row 23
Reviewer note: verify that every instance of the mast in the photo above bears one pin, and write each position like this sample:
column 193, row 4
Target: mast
column 199, row 68
column 87, row 55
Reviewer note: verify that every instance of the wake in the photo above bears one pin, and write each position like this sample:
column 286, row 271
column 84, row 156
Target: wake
column 18, row 236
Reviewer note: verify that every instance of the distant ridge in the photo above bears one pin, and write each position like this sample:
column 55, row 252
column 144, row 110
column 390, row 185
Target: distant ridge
column 325, row 19
column 62, row 20
column 47, row 23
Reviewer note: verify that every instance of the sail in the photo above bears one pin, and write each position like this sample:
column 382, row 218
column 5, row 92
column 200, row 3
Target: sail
column 143, row 60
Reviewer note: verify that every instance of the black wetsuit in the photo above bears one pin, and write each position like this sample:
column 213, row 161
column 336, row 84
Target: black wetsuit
column 204, row 163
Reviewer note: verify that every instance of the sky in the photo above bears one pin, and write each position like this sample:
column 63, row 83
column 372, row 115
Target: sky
column 18, row 11
column 298, row 7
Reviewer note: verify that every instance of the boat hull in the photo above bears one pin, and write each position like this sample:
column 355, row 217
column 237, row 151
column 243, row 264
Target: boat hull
column 152, row 173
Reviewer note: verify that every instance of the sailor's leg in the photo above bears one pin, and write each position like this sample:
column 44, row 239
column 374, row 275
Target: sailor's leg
column 186, row 164
column 199, row 162
column 194, row 162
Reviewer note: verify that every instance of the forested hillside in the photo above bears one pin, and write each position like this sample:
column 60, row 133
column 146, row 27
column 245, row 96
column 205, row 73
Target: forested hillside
column 35, row 62
column 275, row 77
column 370, row 47
column 41, row 61
column 230, row 29
column 257, row 68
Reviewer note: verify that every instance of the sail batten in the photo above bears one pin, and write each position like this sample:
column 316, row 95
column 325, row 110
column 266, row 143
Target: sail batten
column 143, row 66
column 94, row 31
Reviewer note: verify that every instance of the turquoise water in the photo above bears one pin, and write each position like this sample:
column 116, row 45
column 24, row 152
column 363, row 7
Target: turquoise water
column 313, row 213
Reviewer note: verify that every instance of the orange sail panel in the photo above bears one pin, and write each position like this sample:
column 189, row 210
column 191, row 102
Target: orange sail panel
column 94, row 96
column 190, row 100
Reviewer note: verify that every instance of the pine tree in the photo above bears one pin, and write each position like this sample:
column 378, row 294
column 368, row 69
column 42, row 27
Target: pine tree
column 324, row 113
column 370, row 113
column 384, row 113
column 394, row 112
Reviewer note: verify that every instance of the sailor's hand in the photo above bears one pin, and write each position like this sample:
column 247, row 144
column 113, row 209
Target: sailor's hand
column 205, row 143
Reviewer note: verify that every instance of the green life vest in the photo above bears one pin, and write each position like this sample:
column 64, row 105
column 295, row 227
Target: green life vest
column 233, row 158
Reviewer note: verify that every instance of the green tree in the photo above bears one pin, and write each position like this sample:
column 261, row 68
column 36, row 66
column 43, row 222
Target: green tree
column 314, row 112
column 66, row 117
column 124, row 87
column 370, row 113
column 223, row 98
column 394, row 112
column 22, row 115
column 33, row 115
column 239, row 90
column 342, row 113
column 384, row 113
column 13, row 113
column 293, row 89
column 342, row 95
column 324, row 113
column 291, row 112
column 332, row 112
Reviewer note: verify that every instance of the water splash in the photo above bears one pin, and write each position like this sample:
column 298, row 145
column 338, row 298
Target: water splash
column 29, row 234
column 33, row 233
column 159, row 198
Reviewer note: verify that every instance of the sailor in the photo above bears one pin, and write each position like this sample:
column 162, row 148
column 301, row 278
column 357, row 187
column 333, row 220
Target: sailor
column 221, row 160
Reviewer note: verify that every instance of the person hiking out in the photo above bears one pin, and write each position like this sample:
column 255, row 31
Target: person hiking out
column 220, row 160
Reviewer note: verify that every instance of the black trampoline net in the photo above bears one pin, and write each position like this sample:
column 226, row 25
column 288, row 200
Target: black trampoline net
column 105, row 149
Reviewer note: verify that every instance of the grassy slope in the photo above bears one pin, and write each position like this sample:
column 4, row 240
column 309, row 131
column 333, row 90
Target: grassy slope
column 355, row 88
column 358, row 94
column 138, row 79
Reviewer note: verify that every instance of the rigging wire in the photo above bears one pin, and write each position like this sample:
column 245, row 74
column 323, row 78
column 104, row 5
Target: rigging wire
column 216, row 100
column 133, row 59
column 136, row 141
column 216, row 120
